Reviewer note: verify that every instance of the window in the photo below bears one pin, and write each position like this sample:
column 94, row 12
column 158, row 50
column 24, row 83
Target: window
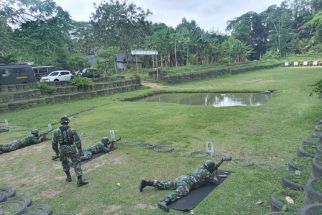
column 54, row 74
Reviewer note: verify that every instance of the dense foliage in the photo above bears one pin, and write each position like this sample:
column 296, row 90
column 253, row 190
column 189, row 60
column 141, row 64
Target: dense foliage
column 42, row 32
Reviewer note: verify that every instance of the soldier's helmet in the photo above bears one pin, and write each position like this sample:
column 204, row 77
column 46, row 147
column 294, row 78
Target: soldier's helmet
column 34, row 131
column 209, row 165
column 64, row 120
column 105, row 140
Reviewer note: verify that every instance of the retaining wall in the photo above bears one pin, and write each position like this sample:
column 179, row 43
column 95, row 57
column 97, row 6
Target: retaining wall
column 15, row 97
column 173, row 79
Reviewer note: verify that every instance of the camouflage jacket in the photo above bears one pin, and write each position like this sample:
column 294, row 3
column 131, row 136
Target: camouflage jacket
column 65, row 135
column 199, row 177
column 98, row 148
column 30, row 140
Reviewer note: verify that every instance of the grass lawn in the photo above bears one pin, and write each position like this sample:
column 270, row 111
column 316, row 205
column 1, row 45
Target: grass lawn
column 267, row 136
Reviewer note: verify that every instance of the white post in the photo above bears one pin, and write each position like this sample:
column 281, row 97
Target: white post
column 210, row 149
column 50, row 127
column 136, row 61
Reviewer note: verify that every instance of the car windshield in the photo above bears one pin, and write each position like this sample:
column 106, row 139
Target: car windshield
column 53, row 74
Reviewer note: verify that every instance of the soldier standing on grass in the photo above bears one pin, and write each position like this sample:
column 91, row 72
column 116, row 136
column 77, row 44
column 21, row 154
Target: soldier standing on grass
column 182, row 185
column 67, row 144
column 34, row 138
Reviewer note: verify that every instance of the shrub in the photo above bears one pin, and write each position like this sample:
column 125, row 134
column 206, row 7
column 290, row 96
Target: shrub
column 45, row 87
column 81, row 82
column 318, row 87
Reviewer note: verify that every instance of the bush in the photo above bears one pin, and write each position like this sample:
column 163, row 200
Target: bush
column 81, row 83
column 45, row 87
column 318, row 87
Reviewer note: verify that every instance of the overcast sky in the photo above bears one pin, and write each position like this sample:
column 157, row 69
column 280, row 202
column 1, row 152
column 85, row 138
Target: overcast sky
column 210, row 15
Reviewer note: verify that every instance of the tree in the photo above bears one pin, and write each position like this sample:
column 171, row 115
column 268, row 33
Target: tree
column 44, row 41
column 6, row 39
column 18, row 12
column 106, row 59
column 249, row 29
column 235, row 50
column 278, row 22
column 120, row 24
column 83, row 38
column 77, row 61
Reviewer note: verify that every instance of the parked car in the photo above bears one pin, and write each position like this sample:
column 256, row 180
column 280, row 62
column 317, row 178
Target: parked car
column 59, row 75
column 89, row 73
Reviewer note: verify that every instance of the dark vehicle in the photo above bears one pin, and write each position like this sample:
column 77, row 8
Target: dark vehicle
column 16, row 74
column 89, row 73
column 41, row 71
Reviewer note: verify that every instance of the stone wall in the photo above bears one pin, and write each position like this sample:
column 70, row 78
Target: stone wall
column 22, row 96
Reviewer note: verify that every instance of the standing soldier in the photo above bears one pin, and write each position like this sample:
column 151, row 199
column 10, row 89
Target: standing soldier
column 67, row 144
column 34, row 138
column 182, row 185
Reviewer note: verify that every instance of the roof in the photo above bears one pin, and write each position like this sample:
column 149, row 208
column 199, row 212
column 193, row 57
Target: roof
column 13, row 66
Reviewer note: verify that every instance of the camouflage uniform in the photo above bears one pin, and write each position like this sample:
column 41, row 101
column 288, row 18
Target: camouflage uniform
column 185, row 183
column 17, row 144
column 98, row 148
column 66, row 142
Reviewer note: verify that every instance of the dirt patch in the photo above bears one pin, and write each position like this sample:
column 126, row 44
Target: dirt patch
column 108, row 159
column 145, row 206
column 152, row 85
column 112, row 209
column 260, row 81
column 50, row 193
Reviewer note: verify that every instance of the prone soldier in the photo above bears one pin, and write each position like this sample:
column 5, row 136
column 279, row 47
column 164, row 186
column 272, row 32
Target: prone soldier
column 104, row 146
column 34, row 138
column 206, row 173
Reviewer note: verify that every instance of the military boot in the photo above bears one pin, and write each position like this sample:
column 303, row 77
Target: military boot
column 163, row 205
column 68, row 178
column 145, row 183
column 80, row 181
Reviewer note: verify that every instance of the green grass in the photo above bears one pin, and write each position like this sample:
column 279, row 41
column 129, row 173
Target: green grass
column 267, row 136
column 318, row 185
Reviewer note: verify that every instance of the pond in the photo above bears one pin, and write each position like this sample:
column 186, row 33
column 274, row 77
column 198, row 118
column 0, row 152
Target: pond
column 211, row 99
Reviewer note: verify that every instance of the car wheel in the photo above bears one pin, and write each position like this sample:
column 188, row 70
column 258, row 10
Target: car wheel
column 56, row 80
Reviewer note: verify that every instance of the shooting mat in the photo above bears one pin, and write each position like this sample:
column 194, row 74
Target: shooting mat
column 190, row 201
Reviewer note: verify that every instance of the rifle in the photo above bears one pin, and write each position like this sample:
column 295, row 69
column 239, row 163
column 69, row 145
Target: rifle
column 222, row 160
column 114, row 141
column 43, row 136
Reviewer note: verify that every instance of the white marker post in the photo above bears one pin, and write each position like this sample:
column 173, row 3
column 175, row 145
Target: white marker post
column 6, row 123
column 210, row 149
column 50, row 127
column 112, row 135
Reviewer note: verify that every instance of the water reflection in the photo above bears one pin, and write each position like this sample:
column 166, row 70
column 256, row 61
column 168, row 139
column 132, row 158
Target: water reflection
column 211, row 99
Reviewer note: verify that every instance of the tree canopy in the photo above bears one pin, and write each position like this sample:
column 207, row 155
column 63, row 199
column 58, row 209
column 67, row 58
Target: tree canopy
column 42, row 32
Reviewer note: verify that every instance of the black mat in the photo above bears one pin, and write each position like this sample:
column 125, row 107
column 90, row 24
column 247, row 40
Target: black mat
column 98, row 155
column 94, row 156
column 190, row 201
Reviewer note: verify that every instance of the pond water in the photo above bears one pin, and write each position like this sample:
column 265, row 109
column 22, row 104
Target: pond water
column 211, row 99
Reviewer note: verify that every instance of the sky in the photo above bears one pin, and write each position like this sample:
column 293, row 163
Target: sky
column 210, row 15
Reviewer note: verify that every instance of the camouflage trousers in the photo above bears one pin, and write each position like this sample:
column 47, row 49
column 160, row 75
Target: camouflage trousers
column 87, row 155
column 181, row 185
column 11, row 147
column 69, row 152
